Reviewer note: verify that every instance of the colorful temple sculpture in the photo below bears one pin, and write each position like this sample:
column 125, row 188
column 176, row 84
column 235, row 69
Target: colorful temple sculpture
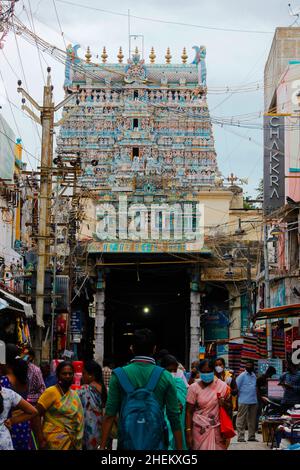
column 143, row 136
column 141, row 129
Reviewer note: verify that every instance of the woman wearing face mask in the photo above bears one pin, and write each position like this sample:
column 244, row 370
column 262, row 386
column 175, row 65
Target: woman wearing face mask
column 202, row 410
column 170, row 363
column 62, row 414
column 227, row 377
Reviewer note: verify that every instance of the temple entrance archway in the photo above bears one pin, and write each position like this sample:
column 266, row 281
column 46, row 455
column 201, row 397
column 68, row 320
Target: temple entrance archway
column 155, row 297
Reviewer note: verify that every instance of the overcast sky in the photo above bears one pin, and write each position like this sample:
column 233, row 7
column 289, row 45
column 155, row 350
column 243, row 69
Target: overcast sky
column 233, row 58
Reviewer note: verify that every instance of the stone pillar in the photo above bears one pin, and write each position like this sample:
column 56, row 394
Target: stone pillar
column 195, row 326
column 99, row 320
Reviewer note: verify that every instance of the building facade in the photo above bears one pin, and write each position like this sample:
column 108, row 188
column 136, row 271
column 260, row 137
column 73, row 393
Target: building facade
column 281, row 184
column 153, row 203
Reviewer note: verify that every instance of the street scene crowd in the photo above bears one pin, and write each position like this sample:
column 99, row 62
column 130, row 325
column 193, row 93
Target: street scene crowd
column 152, row 403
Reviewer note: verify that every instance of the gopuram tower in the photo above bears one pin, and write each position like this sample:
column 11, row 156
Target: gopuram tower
column 143, row 135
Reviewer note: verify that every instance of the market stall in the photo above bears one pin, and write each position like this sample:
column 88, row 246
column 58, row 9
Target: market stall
column 15, row 317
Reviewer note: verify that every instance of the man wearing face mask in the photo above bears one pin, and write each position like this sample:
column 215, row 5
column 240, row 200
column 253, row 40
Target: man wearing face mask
column 247, row 398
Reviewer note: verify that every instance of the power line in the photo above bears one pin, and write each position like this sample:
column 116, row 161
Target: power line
column 59, row 24
column 11, row 140
column 61, row 56
column 24, row 76
column 12, row 112
column 157, row 20
column 38, row 50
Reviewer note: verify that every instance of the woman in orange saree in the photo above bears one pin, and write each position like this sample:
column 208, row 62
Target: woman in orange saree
column 62, row 414
column 203, row 408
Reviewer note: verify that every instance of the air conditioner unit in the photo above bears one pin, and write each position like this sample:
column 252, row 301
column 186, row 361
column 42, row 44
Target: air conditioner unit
column 62, row 289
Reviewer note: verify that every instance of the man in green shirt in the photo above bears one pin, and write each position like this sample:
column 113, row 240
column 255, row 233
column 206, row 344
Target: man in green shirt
column 138, row 372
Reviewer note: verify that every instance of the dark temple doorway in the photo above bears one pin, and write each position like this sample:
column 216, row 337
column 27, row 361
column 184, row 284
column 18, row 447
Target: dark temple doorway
column 155, row 297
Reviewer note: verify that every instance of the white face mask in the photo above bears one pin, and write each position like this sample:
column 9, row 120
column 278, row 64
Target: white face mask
column 219, row 369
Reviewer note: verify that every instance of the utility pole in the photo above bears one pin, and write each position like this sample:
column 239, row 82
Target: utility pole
column 54, row 275
column 46, row 120
column 267, row 292
column 249, row 288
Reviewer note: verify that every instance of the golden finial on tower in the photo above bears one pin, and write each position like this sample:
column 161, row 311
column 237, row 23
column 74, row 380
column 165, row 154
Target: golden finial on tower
column 120, row 56
column 152, row 56
column 184, row 56
column 104, row 55
column 168, row 56
column 88, row 55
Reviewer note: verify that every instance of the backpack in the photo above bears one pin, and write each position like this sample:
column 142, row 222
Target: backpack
column 141, row 421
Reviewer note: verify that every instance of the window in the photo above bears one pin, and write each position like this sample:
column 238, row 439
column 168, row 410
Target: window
column 135, row 152
column 135, row 94
column 135, row 124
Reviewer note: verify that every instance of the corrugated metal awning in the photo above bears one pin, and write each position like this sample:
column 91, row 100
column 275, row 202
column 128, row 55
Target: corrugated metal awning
column 284, row 311
column 11, row 300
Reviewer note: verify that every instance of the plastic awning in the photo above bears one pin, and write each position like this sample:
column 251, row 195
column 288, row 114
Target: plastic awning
column 284, row 311
column 14, row 303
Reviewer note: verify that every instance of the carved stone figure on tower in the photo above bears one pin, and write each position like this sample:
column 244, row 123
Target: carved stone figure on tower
column 199, row 60
column 136, row 69
column 71, row 61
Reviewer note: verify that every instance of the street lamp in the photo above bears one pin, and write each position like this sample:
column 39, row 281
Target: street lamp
column 146, row 310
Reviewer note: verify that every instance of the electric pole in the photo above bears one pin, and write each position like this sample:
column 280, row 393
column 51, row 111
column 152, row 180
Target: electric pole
column 249, row 287
column 46, row 120
column 267, row 292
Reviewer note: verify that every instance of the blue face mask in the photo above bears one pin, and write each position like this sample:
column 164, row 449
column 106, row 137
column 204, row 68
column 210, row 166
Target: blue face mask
column 207, row 377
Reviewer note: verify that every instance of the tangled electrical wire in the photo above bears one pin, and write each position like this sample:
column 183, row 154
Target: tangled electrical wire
column 7, row 9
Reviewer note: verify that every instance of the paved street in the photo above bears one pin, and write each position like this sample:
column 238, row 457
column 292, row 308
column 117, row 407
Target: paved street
column 249, row 445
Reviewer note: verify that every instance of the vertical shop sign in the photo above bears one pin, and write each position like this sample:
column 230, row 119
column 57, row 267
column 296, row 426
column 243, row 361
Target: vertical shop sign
column 273, row 162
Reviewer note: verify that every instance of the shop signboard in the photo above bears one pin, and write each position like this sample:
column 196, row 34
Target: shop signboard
column 201, row 352
column 75, row 323
column 216, row 324
column 263, row 364
column 244, row 314
column 222, row 349
column 274, row 182
column 76, row 338
column 68, row 354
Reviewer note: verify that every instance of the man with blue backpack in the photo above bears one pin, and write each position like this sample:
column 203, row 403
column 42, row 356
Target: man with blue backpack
column 139, row 393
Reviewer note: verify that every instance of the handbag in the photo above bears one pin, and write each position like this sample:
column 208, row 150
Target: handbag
column 226, row 426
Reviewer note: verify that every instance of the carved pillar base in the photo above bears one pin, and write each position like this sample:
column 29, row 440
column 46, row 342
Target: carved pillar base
column 99, row 326
column 195, row 326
